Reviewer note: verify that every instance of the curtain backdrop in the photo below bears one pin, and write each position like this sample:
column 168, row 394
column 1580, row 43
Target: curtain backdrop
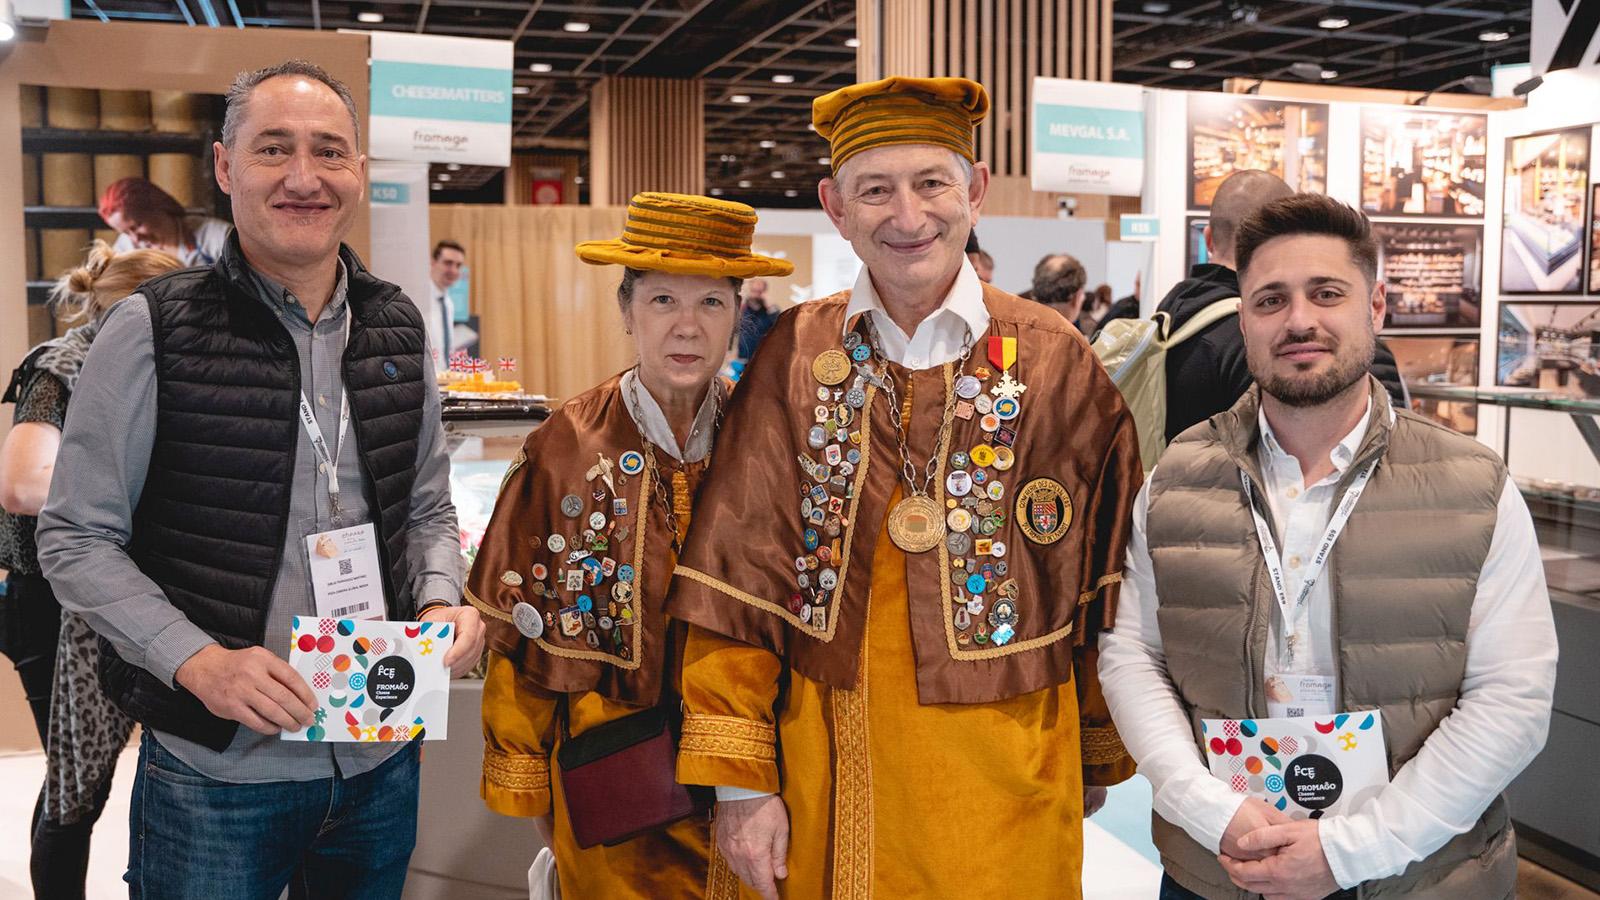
column 535, row 300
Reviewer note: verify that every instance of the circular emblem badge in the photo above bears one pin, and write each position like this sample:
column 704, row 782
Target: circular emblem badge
column 831, row 367
column 527, row 620
column 631, row 463
column 571, row 506
column 967, row 387
column 983, row 455
column 1043, row 510
column 1007, row 408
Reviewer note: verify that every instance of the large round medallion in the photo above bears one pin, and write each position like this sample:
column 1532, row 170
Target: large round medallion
column 916, row 524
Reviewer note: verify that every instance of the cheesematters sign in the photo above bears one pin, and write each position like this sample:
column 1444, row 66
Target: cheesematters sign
column 439, row 99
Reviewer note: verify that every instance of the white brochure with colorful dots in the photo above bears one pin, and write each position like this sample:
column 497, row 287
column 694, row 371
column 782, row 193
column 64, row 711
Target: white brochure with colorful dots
column 1307, row 767
column 375, row 681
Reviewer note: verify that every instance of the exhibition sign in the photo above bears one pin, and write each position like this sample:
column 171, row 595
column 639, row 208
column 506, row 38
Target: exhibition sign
column 1088, row 137
column 427, row 106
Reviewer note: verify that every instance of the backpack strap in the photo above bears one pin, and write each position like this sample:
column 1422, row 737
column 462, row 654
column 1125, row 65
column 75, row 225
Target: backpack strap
column 1205, row 318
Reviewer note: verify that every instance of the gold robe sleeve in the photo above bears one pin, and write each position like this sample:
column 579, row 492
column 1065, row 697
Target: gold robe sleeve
column 518, row 732
column 1105, row 760
column 730, row 734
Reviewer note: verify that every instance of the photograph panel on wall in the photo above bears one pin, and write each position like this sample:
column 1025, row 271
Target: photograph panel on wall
column 1434, row 272
column 1195, row 244
column 1228, row 133
column 1547, row 182
column 1550, row 346
column 1416, row 163
column 1439, row 360
column 1594, row 242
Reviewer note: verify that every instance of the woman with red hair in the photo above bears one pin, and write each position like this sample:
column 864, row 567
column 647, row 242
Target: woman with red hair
column 148, row 217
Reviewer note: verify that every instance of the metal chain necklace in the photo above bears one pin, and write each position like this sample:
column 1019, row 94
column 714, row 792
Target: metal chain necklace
column 916, row 523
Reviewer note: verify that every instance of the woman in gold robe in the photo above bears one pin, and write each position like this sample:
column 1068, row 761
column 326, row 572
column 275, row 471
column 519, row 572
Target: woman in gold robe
column 573, row 571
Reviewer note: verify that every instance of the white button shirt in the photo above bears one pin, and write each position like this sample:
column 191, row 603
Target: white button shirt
column 941, row 337
column 1496, row 729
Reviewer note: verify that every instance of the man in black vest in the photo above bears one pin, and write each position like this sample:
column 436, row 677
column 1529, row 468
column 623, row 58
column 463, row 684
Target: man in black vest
column 230, row 413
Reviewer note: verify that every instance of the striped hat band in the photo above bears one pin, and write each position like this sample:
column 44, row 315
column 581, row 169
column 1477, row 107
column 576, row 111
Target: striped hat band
column 675, row 222
column 900, row 118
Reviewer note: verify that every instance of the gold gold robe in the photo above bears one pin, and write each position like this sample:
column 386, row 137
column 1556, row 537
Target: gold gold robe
column 630, row 665
column 914, row 759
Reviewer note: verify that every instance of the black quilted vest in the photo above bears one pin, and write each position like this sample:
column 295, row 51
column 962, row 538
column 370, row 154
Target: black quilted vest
column 213, row 517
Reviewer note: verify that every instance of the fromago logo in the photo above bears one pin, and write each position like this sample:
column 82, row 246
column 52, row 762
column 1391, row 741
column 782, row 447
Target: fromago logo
column 1564, row 33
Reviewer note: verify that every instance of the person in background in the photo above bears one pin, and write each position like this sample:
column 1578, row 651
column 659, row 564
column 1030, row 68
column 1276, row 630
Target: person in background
column 55, row 653
column 1432, row 608
column 982, row 262
column 1058, row 282
column 1126, row 308
column 181, row 537
column 756, row 319
column 642, row 439
column 1095, row 305
column 449, row 259
column 145, row 216
column 1208, row 373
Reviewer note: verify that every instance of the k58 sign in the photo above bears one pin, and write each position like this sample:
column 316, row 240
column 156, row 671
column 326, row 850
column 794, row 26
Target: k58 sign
column 1564, row 33
column 1088, row 137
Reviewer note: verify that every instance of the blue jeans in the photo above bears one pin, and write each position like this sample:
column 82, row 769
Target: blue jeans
column 193, row 838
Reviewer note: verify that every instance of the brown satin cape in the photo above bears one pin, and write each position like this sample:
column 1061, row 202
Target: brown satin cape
column 738, row 570
column 553, row 464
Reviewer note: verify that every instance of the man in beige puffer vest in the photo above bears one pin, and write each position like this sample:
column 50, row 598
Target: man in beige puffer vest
column 1430, row 606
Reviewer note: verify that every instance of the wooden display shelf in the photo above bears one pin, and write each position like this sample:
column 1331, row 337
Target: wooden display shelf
column 66, row 140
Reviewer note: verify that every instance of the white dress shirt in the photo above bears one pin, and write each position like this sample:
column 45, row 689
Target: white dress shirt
column 941, row 337
column 653, row 423
column 438, row 315
column 1496, row 729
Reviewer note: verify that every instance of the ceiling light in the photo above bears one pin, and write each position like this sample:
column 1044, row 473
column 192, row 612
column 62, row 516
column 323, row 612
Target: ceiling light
column 768, row 145
column 575, row 27
column 7, row 31
column 852, row 42
column 779, row 175
column 1329, row 74
column 1333, row 23
column 443, row 176
column 578, row 180
column 739, row 98
column 791, row 193
column 824, row 160
column 370, row 18
column 539, row 67
column 783, row 79
column 521, row 89
column 716, row 192
column 1182, row 62
column 1309, row 71
column 454, row 167
column 1157, row 9
column 1493, row 36
column 744, row 184
column 437, row 186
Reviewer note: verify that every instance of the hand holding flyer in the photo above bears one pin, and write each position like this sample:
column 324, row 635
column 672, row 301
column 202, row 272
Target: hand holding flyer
column 374, row 681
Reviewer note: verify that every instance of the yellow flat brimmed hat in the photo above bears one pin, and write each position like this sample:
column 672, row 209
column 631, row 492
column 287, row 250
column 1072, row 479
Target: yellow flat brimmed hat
column 686, row 234
column 938, row 111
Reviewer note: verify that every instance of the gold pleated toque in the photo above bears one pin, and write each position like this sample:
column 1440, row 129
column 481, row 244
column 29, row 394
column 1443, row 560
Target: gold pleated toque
column 686, row 234
column 898, row 110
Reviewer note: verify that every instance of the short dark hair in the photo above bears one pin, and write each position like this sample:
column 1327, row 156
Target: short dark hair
column 1058, row 278
column 1311, row 214
column 448, row 245
column 246, row 82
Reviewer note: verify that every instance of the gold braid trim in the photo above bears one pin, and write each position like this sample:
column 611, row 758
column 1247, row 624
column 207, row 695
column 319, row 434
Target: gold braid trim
column 1104, row 582
column 1102, row 746
column 729, row 736
column 721, row 882
column 516, row 772
column 852, row 788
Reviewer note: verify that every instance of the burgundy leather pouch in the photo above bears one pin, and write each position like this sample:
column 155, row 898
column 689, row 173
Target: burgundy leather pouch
column 619, row 779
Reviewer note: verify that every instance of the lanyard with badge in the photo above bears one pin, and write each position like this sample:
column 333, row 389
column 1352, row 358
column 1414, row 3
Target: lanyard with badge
column 1297, row 694
column 346, row 574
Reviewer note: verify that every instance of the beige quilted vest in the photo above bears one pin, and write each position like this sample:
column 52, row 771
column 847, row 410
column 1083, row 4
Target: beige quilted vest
column 1404, row 575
